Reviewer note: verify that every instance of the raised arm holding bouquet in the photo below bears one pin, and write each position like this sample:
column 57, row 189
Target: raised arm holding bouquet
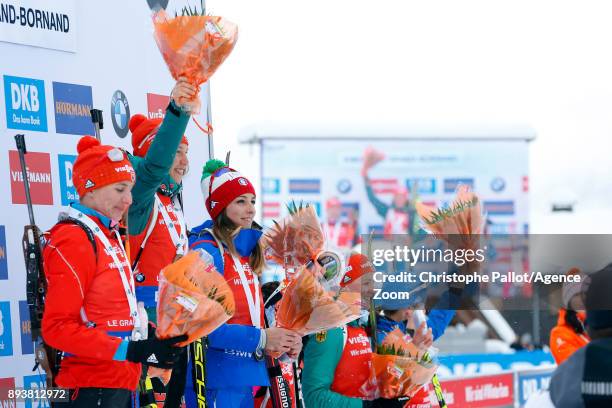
column 399, row 214
column 193, row 46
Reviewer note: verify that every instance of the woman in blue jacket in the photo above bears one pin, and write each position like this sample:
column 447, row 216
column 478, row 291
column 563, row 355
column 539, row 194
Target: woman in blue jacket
column 233, row 362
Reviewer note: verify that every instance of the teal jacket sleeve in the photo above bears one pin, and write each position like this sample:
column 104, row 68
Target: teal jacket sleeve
column 381, row 208
column 154, row 167
column 320, row 360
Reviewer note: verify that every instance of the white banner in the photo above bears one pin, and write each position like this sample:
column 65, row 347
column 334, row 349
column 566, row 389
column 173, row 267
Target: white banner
column 40, row 23
column 311, row 170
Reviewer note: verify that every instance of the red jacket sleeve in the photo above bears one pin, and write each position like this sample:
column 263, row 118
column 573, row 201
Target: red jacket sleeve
column 70, row 265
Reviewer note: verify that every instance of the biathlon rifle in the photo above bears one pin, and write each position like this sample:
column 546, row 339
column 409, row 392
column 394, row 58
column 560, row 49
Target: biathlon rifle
column 98, row 121
column 36, row 283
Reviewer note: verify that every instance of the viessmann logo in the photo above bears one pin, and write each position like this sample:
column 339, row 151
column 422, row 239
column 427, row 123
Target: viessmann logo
column 156, row 105
column 38, row 167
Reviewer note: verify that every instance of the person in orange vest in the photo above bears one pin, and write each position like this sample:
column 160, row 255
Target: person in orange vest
column 339, row 231
column 569, row 334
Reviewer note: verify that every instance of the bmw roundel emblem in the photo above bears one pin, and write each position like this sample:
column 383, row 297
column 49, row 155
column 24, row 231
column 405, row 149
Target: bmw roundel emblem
column 242, row 181
column 498, row 184
column 344, row 186
column 120, row 113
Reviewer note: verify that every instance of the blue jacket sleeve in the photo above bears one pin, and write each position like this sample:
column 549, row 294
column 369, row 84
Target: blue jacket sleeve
column 438, row 320
column 235, row 337
column 443, row 312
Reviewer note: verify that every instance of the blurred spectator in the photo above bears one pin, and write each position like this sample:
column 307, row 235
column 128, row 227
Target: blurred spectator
column 585, row 378
column 339, row 231
column 569, row 334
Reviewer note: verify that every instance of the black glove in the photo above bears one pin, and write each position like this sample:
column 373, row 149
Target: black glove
column 155, row 352
column 389, row 403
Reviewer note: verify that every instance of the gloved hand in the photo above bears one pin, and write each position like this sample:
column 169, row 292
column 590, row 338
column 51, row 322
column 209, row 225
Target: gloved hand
column 389, row 403
column 155, row 352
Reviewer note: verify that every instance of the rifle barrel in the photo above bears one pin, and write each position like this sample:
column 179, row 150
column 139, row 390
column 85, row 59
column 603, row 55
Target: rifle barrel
column 21, row 148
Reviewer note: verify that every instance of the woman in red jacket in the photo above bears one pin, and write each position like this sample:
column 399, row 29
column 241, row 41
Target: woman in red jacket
column 90, row 309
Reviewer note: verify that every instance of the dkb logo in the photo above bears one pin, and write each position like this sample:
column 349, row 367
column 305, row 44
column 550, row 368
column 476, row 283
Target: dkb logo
column 25, row 103
column 68, row 192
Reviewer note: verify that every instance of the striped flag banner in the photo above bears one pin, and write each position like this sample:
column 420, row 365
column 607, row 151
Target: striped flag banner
column 384, row 186
column 271, row 209
column 304, row 186
column 499, row 207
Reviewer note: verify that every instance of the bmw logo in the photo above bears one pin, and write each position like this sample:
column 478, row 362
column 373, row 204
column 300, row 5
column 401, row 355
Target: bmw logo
column 344, row 186
column 242, row 182
column 120, row 113
column 498, row 184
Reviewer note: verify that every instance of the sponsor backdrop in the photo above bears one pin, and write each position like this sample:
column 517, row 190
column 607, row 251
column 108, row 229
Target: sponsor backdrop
column 313, row 169
column 60, row 60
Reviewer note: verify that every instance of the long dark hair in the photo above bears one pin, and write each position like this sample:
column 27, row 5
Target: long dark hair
column 573, row 321
column 226, row 231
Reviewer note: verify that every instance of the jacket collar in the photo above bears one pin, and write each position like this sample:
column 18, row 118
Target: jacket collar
column 104, row 220
column 169, row 187
column 245, row 241
column 387, row 325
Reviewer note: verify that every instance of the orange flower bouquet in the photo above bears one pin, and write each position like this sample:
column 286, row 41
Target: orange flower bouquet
column 194, row 299
column 297, row 239
column 459, row 224
column 399, row 368
column 193, row 46
column 306, row 307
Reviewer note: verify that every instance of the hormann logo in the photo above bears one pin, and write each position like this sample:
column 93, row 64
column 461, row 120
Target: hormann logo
column 72, row 108
column 34, row 18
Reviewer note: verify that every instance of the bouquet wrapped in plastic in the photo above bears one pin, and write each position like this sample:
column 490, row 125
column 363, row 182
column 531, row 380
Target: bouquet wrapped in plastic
column 460, row 223
column 371, row 157
column 399, row 368
column 306, row 307
column 194, row 299
column 193, row 46
column 295, row 240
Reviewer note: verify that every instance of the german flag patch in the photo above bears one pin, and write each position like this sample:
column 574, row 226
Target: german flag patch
column 321, row 336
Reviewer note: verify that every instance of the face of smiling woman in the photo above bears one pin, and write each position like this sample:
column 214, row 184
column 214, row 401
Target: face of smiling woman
column 241, row 210
column 180, row 164
column 112, row 200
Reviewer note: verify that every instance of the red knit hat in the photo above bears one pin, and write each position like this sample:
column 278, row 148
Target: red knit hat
column 221, row 187
column 99, row 165
column 357, row 266
column 143, row 132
